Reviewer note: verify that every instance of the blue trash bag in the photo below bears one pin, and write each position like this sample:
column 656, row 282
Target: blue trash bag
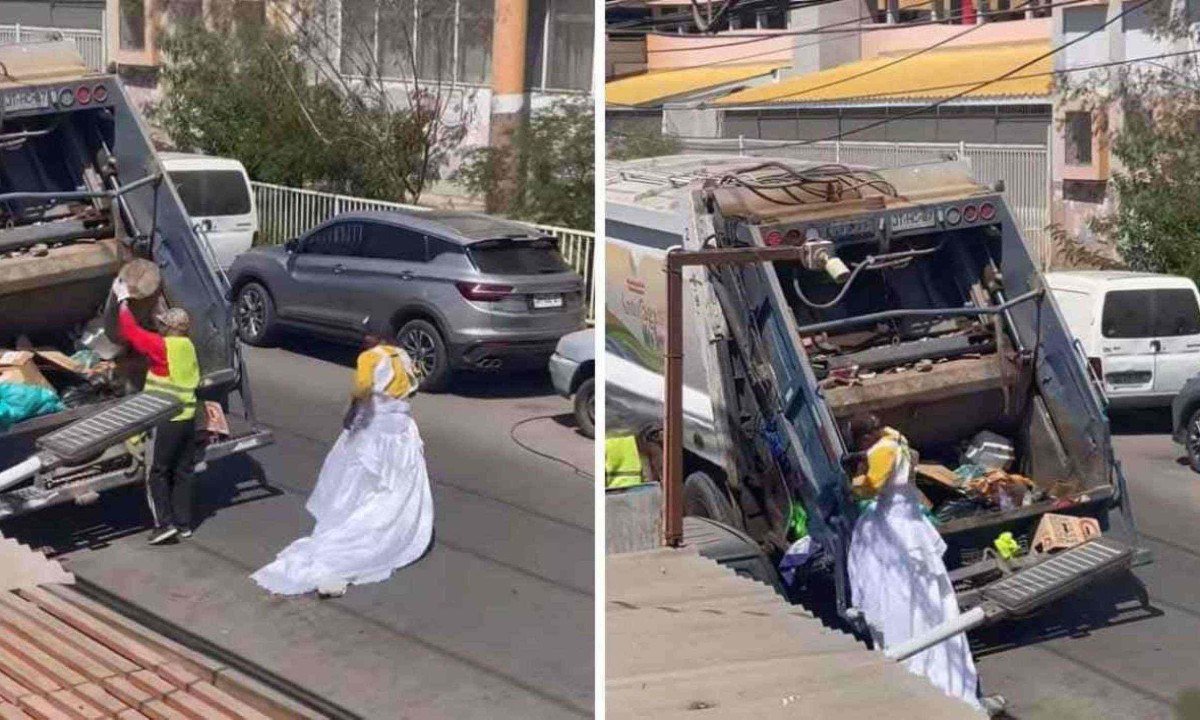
column 20, row 402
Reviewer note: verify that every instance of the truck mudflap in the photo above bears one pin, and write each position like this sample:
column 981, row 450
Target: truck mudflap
column 1028, row 590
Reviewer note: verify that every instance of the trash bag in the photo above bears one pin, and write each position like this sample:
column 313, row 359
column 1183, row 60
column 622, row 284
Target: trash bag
column 19, row 401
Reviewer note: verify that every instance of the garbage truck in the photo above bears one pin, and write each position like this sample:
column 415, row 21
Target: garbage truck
column 815, row 293
column 83, row 198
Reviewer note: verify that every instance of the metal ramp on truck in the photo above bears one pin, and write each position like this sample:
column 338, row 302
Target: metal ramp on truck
column 93, row 439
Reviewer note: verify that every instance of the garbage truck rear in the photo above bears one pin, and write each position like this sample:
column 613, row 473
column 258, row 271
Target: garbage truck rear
column 84, row 197
column 831, row 292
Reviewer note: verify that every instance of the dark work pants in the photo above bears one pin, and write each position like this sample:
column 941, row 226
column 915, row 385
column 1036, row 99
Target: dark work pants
column 172, row 474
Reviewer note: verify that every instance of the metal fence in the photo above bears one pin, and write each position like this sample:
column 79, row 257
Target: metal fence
column 286, row 212
column 90, row 42
column 1025, row 169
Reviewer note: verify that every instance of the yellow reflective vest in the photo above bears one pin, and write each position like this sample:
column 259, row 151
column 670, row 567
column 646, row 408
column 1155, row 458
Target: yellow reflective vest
column 184, row 369
column 622, row 462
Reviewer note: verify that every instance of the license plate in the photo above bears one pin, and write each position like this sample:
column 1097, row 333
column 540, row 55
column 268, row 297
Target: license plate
column 912, row 220
column 541, row 302
column 18, row 100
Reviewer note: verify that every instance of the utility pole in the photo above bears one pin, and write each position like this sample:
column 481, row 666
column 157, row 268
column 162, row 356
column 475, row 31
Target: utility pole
column 510, row 100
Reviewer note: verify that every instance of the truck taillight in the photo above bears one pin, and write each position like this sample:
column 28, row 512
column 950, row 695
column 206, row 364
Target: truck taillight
column 970, row 213
column 953, row 216
column 66, row 97
column 99, row 93
column 483, row 292
column 83, row 95
column 987, row 211
column 1097, row 367
column 773, row 238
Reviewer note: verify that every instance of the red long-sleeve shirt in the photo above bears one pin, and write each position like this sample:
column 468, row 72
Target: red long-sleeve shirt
column 149, row 345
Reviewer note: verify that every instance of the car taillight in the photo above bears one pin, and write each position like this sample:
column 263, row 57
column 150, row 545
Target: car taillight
column 483, row 291
column 1097, row 367
column 83, row 95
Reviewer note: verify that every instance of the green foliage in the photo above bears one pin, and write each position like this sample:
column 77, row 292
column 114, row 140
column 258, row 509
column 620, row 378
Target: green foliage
column 260, row 96
column 634, row 145
column 554, row 159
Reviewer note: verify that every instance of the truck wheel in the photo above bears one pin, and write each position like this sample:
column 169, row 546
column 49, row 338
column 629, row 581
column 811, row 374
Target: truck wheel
column 585, row 408
column 702, row 497
column 254, row 314
column 1193, row 440
column 424, row 344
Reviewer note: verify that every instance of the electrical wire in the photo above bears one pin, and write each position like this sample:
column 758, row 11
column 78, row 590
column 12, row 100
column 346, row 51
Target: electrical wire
column 512, row 434
column 643, row 25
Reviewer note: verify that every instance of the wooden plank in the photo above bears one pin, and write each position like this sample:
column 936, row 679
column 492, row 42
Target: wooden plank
column 42, row 709
column 72, row 654
column 159, row 710
column 94, row 628
column 76, row 705
column 195, row 708
column 126, row 692
column 40, row 659
column 12, row 712
column 155, row 686
column 67, row 633
column 102, row 699
column 10, row 689
column 178, row 675
column 219, row 698
column 27, row 674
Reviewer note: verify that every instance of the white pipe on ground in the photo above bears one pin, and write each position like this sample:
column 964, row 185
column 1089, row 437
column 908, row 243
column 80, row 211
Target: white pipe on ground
column 971, row 619
column 22, row 470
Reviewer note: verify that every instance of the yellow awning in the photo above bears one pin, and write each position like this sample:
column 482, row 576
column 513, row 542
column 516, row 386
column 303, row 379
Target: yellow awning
column 661, row 85
column 929, row 76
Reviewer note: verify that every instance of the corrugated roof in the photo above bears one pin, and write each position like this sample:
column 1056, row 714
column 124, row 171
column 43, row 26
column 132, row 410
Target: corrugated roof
column 929, row 76
column 662, row 85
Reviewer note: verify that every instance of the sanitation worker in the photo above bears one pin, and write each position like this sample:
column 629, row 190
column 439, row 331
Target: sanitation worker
column 372, row 502
column 897, row 576
column 173, row 371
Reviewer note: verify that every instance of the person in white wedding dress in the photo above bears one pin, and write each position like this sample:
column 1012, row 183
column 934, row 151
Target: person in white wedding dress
column 372, row 502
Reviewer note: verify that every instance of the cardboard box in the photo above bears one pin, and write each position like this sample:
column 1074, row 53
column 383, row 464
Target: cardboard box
column 1059, row 532
column 17, row 366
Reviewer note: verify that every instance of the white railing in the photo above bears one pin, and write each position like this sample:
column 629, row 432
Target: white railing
column 1025, row 169
column 286, row 212
column 90, row 42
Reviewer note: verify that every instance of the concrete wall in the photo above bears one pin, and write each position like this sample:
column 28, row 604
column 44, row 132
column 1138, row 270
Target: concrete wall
column 73, row 14
column 965, row 124
column 903, row 39
column 717, row 48
column 813, row 53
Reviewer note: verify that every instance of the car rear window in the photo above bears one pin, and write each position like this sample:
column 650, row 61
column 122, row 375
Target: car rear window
column 1151, row 313
column 518, row 257
column 212, row 193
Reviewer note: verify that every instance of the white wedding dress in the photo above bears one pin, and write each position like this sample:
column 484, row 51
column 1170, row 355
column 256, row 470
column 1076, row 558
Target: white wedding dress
column 372, row 504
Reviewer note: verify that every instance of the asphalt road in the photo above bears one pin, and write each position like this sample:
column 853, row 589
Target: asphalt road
column 495, row 621
column 1129, row 648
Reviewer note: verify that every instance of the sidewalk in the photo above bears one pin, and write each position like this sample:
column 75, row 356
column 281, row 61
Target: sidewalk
column 686, row 634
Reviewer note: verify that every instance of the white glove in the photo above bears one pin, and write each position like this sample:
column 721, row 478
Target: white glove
column 120, row 290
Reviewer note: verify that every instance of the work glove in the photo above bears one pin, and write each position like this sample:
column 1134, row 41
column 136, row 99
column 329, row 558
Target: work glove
column 120, row 290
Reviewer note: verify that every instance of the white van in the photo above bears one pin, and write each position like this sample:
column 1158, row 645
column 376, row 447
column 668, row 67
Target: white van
column 216, row 192
column 1140, row 331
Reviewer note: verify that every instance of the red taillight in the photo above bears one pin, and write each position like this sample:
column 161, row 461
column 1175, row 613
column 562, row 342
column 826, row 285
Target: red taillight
column 774, row 238
column 794, row 237
column 83, row 95
column 987, row 211
column 1097, row 367
column 483, row 292
column 100, row 93
column 970, row 213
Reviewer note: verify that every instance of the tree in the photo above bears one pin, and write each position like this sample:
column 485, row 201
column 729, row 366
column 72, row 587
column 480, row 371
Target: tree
column 554, row 152
column 1155, row 223
column 274, row 97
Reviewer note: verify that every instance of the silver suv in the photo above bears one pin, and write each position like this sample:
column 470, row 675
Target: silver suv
column 456, row 290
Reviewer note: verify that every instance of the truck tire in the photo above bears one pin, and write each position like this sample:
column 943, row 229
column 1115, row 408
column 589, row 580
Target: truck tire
column 702, row 497
column 254, row 315
column 423, row 343
column 1192, row 440
column 585, row 408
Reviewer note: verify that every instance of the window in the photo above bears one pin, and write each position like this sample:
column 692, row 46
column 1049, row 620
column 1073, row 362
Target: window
column 210, row 193
column 1079, row 138
column 389, row 242
column 437, row 246
column 443, row 40
column 510, row 257
column 1151, row 313
column 341, row 239
column 133, row 24
column 570, row 44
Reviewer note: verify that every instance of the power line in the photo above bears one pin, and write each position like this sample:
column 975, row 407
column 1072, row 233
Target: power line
column 647, row 25
column 978, row 86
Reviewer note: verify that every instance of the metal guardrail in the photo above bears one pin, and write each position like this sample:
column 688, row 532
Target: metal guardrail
column 91, row 43
column 286, row 212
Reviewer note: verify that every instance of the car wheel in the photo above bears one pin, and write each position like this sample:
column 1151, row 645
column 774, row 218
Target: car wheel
column 585, row 408
column 1192, row 441
column 254, row 315
column 702, row 497
column 424, row 344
